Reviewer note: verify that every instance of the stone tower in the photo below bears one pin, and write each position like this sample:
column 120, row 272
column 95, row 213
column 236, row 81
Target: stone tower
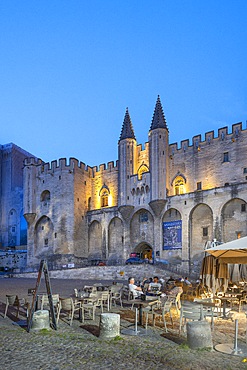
column 158, row 153
column 127, row 160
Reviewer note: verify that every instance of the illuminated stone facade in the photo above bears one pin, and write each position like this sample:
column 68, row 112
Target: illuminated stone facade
column 77, row 212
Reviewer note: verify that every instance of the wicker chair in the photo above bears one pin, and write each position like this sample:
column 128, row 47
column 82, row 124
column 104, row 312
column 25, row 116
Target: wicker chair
column 69, row 307
column 160, row 310
column 115, row 295
column 15, row 301
column 45, row 304
column 190, row 311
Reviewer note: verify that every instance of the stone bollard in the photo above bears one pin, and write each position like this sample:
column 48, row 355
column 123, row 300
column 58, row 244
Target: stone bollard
column 41, row 320
column 109, row 325
column 199, row 334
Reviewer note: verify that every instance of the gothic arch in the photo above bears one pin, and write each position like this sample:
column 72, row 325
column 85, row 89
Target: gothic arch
column 200, row 229
column 145, row 250
column 115, row 239
column 234, row 219
column 172, row 214
column 143, row 168
column 179, row 174
column 95, row 240
column 43, row 237
column 104, row 196
column 141, row 228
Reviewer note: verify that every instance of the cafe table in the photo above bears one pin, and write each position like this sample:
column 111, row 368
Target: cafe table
column 232, row 298
column 141, row 304
column 210, row 309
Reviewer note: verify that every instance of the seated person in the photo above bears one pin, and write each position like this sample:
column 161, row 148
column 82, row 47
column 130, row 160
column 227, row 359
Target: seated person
column 134, row 289
column 201, row 290
column 170, row 280
column 145, row 283
column 186, row 281
column 177, row 288
column 154, row 286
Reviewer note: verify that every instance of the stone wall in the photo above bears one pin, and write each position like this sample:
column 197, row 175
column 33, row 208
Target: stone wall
column 107, row 273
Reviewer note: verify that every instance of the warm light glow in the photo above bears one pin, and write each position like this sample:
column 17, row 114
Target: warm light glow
column 109, row 200
column 141, row 170
column 179, row 186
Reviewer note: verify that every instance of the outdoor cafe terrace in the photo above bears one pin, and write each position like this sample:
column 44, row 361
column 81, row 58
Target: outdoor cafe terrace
column 136, row 325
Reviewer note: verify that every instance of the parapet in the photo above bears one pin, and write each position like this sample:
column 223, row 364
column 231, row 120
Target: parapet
column 223, row 134
column 32, row 161
column 103, row 167
column 60, row 165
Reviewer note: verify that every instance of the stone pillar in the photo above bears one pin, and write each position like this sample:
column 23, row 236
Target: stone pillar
column 199, row 334
column 109, row 325
column 41, row 320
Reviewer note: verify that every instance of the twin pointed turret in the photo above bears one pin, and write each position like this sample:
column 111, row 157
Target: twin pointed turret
column 127, row 128
column 129, row 158
column 158, row 121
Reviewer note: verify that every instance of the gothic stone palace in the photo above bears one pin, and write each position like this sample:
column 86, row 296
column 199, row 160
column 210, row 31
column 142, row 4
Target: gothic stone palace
column 162, row 200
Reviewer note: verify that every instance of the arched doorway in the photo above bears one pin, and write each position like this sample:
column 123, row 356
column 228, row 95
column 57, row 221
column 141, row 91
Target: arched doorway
column 201, row 231
column 234, row 220
column 115, row 239
column 144, row 250
column 142, row 228
column 95, row 240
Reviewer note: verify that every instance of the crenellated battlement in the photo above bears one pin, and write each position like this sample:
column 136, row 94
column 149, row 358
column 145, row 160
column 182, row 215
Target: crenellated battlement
column 103, row 167
column 57, row 165
column 32, row 161
column 68, row 164
column 142, row 147
column 209, row 137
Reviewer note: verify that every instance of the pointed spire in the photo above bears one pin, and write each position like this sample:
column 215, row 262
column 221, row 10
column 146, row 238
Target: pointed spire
column 127, row 128
column 158, row 120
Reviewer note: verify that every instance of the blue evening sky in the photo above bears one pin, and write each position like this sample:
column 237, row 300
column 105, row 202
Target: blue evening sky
column 69, row 69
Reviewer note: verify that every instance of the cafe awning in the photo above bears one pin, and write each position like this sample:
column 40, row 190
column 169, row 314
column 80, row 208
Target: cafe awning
column 231, row 252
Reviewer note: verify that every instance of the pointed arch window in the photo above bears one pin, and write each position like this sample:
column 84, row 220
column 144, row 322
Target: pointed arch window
column 143, row 168
column 179, row 185
column 104, row 196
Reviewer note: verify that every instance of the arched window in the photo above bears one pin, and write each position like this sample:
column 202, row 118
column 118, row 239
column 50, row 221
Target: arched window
column 104, row 196
column 143, row 168
column 45, row 196
column 179, row 185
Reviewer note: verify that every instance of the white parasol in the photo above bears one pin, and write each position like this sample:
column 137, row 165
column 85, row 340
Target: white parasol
column 231, row 252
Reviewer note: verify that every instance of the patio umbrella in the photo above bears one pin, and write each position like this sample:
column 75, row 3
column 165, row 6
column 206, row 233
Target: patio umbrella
column 213, row 274
column 243, row 272
column 231, row 252
column 234, row 272
column 208, row 271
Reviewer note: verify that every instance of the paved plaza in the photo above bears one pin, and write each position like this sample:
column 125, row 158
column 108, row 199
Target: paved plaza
column 79, row 346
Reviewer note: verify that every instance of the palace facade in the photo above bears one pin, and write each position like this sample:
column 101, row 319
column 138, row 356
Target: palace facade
column 161, row 200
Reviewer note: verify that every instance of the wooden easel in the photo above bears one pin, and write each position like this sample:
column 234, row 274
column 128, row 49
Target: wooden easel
column 42, row 268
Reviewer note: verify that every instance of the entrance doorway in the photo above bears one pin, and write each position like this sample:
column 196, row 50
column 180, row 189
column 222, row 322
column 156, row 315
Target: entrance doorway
column 145, row 251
